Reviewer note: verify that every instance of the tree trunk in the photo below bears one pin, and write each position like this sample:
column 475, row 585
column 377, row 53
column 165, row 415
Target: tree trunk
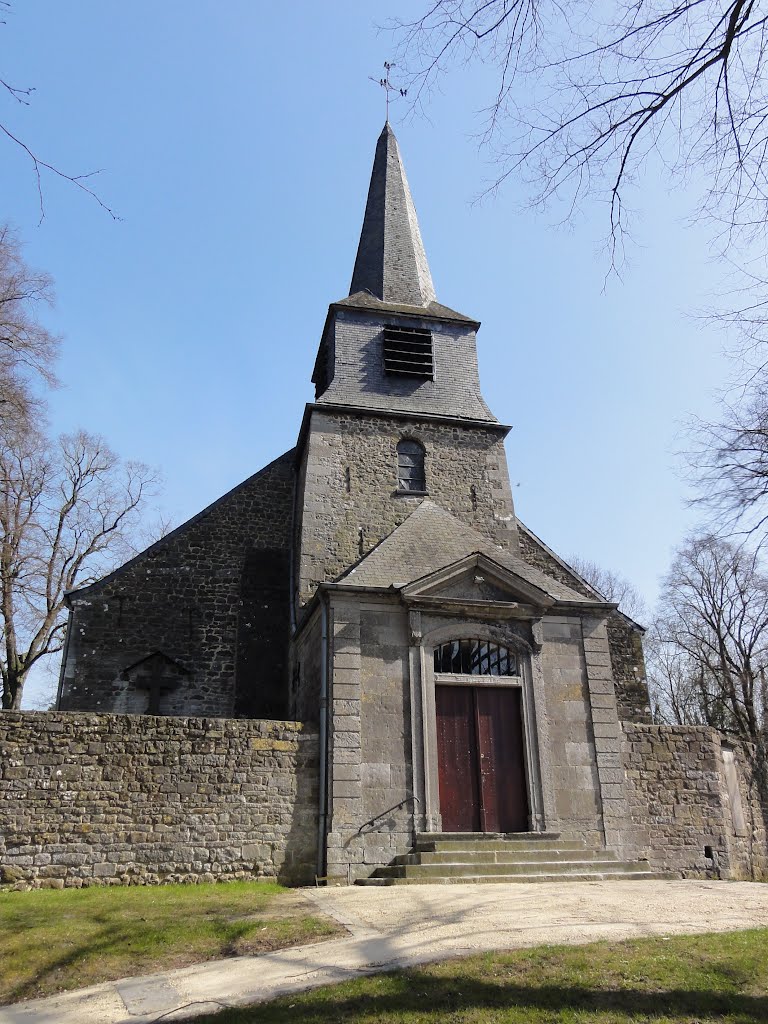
column 13, row 688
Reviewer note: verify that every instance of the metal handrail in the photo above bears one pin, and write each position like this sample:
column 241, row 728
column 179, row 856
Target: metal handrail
column 389, row 810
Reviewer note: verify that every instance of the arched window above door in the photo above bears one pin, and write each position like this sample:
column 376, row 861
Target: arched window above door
column 476, row 658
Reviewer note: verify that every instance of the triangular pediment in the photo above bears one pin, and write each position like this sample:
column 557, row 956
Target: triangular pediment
column 477, row 578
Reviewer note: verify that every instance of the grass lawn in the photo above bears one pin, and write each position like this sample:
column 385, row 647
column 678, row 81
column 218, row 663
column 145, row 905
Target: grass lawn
column 52, row 940
column 684, row 980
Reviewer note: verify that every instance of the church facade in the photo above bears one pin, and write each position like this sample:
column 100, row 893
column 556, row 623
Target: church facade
column 375, row 582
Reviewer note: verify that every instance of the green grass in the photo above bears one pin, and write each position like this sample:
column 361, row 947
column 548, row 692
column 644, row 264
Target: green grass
column 683, row 980
column 53, row 940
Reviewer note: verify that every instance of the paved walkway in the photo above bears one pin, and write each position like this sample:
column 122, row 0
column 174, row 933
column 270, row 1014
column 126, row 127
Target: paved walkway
column 406, row 925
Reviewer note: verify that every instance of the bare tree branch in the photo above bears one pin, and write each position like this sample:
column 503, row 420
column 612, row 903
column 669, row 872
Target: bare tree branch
column 613, row 587
column 23, row 96
column 587, row 97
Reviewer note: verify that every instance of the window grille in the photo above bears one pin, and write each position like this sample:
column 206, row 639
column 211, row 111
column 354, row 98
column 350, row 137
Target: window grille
column 410, row 467
column 476, row 658
column 408, row 352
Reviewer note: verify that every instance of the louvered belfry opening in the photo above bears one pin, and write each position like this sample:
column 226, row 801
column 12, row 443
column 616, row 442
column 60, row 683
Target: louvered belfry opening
column 408, row 352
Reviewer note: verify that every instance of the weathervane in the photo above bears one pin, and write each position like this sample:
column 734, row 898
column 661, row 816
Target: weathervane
column 387, row 85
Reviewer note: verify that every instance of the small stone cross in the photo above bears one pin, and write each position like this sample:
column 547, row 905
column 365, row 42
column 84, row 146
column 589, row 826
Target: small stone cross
column 156, row 684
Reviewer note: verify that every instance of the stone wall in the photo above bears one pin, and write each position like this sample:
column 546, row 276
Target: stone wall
column 625, row 637
column 212, row 597
column 91, row 799
column 681, row 815
column 350, row 493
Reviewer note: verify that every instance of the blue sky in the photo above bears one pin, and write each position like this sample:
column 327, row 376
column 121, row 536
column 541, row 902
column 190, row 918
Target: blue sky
column 236, row 141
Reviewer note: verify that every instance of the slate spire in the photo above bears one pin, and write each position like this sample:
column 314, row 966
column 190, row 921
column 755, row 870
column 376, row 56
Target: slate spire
column 391, row 263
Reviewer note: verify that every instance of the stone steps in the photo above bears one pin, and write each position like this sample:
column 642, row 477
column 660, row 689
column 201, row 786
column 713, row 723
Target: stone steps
column 468, row 856
column 450, row 858
column 584, row 876
column 497, row 846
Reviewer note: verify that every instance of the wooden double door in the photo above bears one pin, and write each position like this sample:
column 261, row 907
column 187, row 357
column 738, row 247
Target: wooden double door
column 480, row 759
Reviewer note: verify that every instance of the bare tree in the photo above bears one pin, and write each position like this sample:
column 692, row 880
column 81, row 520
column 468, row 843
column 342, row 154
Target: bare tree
column 613, row 587
column 682, row 688
column 585, row 95
column 27, row 348
column 711, row 642
column 67, row 509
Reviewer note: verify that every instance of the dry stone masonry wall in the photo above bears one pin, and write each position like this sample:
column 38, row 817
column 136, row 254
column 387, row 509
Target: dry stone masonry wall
column 90, row 799
column 682, row 815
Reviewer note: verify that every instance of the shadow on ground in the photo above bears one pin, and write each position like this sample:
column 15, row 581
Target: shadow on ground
column 409, row 995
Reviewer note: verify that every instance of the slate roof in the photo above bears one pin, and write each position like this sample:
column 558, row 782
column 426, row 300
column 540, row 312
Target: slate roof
column 364, row 300
column 391, row 263
column 431, row 538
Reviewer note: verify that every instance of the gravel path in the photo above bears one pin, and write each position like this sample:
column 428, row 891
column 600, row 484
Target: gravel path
column 405, row 925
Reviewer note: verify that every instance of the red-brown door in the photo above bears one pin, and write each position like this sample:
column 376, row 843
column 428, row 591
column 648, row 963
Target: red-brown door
column 480, row 759
column 458, row 765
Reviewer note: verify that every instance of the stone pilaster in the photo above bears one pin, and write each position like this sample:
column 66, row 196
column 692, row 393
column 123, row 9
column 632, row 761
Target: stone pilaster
column 345, row 797
column 606, row 730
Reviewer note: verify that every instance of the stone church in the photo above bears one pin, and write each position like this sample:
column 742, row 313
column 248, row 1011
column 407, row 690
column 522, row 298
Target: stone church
column 376, row 583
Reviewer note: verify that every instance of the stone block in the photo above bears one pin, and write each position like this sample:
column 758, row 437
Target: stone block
column 345, row 706
column 608, row 745
column 601, row 686
column 579, row 753
column 346, row 676
column 605, row 715
column 610, row 791
column 603, row 700
column 350, row 740
column 376, row 775
column 346, row 755
column 346, row 789
column 345, row 660
column 348, row 691
column 345, row 723
column 606, row 729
